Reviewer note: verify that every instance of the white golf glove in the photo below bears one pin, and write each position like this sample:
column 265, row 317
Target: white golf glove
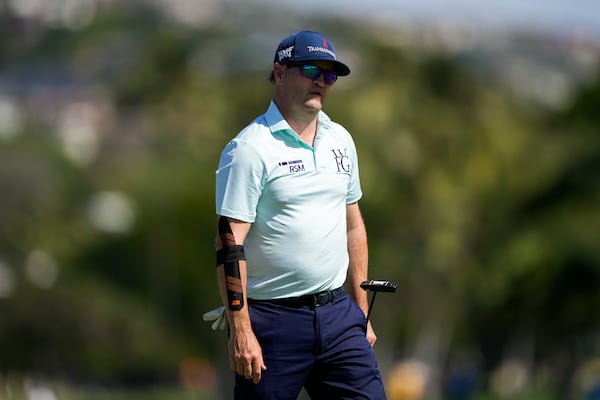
column 218, row 316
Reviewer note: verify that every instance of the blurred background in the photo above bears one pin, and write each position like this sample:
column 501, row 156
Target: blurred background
column 478, row 132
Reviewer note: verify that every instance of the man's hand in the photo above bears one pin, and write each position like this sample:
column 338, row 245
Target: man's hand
column 371, row 336
column 245, row 355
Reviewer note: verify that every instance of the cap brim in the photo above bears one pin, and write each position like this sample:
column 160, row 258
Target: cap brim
column 339, row 67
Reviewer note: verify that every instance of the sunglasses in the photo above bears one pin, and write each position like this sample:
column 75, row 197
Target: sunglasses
column 313, row 72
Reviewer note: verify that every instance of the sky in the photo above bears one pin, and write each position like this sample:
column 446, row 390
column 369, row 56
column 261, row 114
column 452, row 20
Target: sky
column 561, row 16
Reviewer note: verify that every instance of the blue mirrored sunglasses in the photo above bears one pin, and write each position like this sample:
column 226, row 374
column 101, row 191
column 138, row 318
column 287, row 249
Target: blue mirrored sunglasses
column 313, row 72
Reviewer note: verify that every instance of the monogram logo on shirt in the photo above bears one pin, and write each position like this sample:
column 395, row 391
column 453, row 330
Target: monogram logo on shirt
column 341, row 159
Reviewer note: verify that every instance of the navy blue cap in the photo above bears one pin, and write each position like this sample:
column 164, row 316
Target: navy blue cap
column 308, row 46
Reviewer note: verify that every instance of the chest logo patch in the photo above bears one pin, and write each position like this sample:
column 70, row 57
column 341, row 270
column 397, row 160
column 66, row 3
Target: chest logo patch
column 294, row 166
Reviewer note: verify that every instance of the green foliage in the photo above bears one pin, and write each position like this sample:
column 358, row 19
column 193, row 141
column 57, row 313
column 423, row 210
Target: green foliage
column 481, row 204
column 87, row 330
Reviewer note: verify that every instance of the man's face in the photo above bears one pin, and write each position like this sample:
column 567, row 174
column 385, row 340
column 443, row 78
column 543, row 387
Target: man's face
column 304, row 91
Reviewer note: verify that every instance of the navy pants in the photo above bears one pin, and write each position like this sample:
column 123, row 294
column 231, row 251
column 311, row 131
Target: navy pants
column 323, row 349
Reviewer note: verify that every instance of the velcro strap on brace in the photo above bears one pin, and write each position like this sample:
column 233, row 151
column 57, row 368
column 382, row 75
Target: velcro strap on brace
column 230, row 254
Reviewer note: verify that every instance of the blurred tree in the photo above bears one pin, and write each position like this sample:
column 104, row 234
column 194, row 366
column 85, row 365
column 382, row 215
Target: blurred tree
column 483, row 206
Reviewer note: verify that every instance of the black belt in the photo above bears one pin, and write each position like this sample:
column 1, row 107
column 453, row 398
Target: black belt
column 312, row 300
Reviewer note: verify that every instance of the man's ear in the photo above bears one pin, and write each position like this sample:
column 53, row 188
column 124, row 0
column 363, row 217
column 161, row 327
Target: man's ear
column 278, row 70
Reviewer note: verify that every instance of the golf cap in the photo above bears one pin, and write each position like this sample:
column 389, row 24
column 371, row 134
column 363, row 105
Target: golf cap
column 305, row 46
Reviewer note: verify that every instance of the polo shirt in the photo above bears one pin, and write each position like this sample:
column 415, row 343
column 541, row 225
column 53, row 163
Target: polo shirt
column 295, row 197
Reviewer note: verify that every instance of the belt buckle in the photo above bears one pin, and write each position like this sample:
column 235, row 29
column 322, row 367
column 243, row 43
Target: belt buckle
column 320, row 299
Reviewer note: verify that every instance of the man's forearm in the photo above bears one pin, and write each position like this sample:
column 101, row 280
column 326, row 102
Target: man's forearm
column 358, row 264
column 231, row 270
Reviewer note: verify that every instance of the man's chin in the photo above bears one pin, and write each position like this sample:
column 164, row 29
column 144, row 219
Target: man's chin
column 314, row 103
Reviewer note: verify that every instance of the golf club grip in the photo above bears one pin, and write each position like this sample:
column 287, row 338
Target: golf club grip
column 379, row 286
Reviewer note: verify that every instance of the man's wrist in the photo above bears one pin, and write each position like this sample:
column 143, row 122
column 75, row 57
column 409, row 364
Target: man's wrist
column 239, row 320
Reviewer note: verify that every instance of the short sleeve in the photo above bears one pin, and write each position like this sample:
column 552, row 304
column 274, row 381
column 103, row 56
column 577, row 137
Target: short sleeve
column 354, row 188
column 239, row 181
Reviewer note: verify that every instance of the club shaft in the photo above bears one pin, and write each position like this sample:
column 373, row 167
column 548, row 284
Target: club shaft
column 371, row 305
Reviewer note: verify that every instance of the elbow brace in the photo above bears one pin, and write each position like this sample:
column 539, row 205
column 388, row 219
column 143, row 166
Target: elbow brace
column 230, row 256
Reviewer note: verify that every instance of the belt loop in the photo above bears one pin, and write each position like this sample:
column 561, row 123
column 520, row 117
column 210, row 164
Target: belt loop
column 329, row 297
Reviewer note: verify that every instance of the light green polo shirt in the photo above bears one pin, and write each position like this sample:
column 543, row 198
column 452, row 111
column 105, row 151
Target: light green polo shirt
column 295, row 196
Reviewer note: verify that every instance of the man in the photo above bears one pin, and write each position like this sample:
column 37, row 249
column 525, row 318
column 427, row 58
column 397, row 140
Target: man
column 290, row 234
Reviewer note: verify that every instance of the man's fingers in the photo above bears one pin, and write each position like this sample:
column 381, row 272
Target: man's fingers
column 257, row 369
column 245, row 357
column 239, row 369
column 371, row 336
column 237, row 366
column 248, row 373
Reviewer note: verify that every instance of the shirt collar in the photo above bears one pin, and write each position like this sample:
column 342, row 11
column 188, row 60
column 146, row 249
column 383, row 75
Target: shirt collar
column 276, row 122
